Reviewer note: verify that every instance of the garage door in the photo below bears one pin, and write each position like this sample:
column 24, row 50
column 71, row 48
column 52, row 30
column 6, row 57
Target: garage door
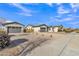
column 42, row 29
column 14, row 29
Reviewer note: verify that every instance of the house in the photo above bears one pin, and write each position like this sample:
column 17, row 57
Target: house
column 29, row 28
column 41, row 28
column 13, row 27
column 55, row 29
column 58, row 28
column 38, row 28
column 50, row 29
column 44, row 28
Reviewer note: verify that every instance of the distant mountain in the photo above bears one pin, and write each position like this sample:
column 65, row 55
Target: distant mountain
column 2, row 20
column 8, row 21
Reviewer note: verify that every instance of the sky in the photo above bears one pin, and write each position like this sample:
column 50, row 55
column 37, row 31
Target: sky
column 66, row 14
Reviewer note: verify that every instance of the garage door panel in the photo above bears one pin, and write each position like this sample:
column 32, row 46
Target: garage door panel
column 14, row 30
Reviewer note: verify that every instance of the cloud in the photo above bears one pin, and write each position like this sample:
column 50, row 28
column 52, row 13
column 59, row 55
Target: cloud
column 65, row 14
column 68, row 19
column 2, row 20
column 65, row 19
column 49, row 4
column 58, row 19
column 61, row 10
column 74, row 6
column 59, row 4
column 74, row 23
column 25, row 14
column 18, row 5
column 7, row 21
column 24, row 11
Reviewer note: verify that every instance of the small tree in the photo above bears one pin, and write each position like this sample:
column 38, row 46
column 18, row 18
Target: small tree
column 2, row 31
column 60, row 28
column 29, row 30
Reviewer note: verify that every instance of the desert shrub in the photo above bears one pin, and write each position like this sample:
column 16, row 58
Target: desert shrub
column 68, row 30
column 24, row 30
column 42, row 34
column 2, row 31
column 29, row 30
column 76, row 30
column 59, row 30
column 51, row 36
column 36, row 33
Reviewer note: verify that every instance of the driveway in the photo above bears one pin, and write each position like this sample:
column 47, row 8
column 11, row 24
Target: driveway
column 60, row 45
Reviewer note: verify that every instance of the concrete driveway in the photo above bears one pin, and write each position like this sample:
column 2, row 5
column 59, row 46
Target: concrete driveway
column 60, row 45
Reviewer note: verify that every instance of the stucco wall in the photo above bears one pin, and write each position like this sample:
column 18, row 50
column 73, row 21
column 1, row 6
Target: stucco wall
column 36, row 29
column 14, row 25
column 55, row 29
column 50, row 29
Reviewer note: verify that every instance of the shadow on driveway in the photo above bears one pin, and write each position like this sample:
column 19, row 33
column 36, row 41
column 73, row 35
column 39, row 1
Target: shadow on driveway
column 17, row 42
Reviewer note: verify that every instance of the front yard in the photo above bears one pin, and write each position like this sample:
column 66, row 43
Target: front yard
column 43, row 44
column 20, row 42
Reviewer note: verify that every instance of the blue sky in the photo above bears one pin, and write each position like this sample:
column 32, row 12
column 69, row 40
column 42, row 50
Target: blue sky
column 66, row 14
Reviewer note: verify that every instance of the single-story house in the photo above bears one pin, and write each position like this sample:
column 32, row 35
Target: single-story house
column 29, row 26
column 13, row 27
column 45, row 28
column 53, row 28
column 41, row 28
column 57, row 28
column 38, row 28
column 50, row 29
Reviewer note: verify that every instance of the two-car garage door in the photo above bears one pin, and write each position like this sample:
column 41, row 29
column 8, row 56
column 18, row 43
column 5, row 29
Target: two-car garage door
column 14, row 29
